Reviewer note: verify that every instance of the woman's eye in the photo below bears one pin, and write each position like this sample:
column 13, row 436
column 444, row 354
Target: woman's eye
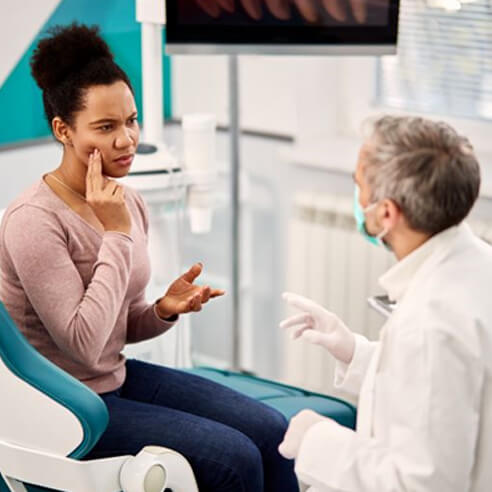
column 105, row 128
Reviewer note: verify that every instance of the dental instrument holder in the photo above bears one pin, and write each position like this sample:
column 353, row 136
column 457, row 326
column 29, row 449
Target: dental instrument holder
column 160, row 177
column 199, row 148
column 152, row 15
column 155, row 170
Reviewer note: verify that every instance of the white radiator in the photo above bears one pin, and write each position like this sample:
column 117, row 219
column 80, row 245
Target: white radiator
column 330, row 262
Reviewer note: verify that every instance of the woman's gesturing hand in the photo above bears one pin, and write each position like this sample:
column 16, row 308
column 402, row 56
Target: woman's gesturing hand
column 183, row 296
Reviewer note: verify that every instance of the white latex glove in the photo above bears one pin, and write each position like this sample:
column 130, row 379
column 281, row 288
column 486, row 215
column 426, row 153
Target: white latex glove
column 298, row 426
column 317, row 325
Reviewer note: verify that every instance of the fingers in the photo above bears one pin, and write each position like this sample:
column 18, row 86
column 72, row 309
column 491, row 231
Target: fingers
column 336, row 9
column 307, row 8
column 288, row 448
column 193, row 273
column 209, row 293
column 206, row 292
column 94, row 178
column 227, row 5
column 210, row 7
column 195, row 303
column 216, row 293
column 279, row 8
column 359, row 9
column 119, row 193
column 253, row 8
column 111, row 187
column 296, row 320
column 300, row 330
column 300, row 302
column 88, row 177
column 313, row 336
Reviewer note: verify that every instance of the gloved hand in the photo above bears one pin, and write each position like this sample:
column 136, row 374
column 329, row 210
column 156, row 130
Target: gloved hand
column 317, row 325
column 298, row 426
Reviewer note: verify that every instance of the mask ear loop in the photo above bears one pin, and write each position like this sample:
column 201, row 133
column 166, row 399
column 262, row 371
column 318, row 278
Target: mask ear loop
column 385, row 231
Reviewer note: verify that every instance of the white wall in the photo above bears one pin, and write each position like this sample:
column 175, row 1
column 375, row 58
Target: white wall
column 320, row 101
column 31, row 15
column 279, row 95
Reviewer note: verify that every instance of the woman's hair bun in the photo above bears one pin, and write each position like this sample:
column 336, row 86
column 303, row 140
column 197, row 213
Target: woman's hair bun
column 65, row 50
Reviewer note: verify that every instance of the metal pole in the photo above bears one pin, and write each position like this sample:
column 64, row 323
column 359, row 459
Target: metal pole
column 235, row 209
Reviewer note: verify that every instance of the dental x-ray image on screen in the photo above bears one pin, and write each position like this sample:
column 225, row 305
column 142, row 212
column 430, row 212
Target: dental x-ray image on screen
column 282, row 26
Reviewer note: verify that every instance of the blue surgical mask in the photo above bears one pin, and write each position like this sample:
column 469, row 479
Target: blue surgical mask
column 360, row 219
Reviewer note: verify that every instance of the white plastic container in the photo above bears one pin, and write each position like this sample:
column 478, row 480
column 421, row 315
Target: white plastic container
column 199, row 142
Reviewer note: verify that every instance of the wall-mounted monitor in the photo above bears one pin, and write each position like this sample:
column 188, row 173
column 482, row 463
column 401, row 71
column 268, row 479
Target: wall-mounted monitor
column 315, row 27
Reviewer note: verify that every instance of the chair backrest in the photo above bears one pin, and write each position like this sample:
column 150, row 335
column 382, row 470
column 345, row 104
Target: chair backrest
column 42, row 407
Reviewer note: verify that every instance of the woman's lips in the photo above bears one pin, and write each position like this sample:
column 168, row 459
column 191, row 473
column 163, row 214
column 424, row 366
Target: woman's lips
column 124, row 160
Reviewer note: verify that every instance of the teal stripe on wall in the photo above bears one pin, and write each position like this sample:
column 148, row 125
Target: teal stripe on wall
column 20, row 99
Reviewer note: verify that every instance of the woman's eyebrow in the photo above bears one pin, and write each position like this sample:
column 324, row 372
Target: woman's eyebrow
column 103, row 120
column 111, row 120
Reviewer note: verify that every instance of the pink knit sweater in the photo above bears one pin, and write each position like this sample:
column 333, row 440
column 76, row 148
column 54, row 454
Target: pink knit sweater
column 76, row 294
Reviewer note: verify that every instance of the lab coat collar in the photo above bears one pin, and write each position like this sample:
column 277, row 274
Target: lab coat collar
column 397, row 279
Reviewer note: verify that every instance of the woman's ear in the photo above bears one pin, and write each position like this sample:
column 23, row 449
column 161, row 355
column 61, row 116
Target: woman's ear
column 61, row 131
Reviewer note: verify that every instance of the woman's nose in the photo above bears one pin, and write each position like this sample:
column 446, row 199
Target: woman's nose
column 125, row 139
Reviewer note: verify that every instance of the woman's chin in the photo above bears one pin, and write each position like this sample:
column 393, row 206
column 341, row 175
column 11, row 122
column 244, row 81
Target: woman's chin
column 117, row 173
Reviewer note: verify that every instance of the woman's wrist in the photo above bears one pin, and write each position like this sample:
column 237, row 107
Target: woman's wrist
column 163, row 315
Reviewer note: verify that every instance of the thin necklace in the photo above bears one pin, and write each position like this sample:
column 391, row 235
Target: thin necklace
column 67, row 187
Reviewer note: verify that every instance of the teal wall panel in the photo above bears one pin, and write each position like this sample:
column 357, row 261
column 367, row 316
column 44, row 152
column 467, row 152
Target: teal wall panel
column 20, row 99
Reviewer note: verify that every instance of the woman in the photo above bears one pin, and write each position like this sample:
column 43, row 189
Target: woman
column 74, row 269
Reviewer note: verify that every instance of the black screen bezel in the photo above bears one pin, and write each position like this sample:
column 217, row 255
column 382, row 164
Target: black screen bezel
column 280, row 35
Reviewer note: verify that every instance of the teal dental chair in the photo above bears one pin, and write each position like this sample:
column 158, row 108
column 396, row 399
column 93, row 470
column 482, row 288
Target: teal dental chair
column 288, row 400
column 49, row 421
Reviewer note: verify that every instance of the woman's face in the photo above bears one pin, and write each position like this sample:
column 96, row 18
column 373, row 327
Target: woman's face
column 108, row 122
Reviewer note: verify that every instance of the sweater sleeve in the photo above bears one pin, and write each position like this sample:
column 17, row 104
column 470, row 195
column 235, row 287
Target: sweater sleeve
column 80, row 320
column 143, row 322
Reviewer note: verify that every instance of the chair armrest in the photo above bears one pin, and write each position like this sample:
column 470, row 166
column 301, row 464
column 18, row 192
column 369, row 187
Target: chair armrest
column 58, row 472
column 127, row 473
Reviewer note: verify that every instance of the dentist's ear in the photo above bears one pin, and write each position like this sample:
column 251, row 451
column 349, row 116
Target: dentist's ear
column 389, row 214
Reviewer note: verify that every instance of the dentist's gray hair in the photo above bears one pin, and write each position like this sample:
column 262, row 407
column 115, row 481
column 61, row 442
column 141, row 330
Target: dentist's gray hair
column 425, row 167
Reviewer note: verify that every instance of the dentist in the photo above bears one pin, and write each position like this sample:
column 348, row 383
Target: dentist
column 425, row 387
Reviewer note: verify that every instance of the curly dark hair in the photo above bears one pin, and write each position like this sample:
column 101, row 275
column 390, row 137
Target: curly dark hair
column 66, row 63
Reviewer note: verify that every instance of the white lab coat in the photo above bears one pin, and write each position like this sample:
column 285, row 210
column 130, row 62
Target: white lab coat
column 425, row 390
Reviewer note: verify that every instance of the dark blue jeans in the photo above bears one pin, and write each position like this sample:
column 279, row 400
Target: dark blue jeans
column 229, row 439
